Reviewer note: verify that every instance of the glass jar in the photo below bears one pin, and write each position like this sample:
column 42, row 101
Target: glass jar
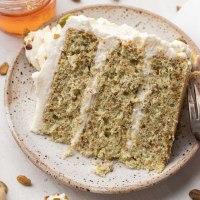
column 21, row 16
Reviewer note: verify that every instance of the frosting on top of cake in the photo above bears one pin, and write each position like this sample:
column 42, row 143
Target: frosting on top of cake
column 41, row 45
column 41, row 40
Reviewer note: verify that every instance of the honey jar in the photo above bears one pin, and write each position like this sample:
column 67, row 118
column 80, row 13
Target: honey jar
column 21, row 16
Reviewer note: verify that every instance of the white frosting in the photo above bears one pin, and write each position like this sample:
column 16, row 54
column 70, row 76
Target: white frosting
column 154, row 45
column 41, row 41
column 46, row 51
column 58, row 196
column 138, row 114
column 102, row 28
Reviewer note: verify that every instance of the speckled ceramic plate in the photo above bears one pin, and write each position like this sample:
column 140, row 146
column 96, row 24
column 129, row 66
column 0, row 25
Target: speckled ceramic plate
column 76, row 170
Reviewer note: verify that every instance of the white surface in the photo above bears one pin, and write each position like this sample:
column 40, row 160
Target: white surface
column 188, row 20
column 13, row 162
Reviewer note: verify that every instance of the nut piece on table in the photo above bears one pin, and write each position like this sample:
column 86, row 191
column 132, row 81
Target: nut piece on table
column 178, row 8
column 195, row 194
column 24, row 180
column 3, row 190
column 4, row 68
column 56, row 197
column 76, row 1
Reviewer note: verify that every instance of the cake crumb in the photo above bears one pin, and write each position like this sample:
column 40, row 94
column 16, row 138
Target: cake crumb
column 178, row 8
column 4, row 68
column 69, row 152
column 101, row 169
column 196, row 60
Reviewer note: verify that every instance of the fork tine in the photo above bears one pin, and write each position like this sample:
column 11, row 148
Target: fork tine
column 197, row 94
column 191, row 103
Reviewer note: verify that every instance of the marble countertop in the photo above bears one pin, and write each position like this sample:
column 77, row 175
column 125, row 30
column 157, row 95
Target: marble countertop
column 13, row 162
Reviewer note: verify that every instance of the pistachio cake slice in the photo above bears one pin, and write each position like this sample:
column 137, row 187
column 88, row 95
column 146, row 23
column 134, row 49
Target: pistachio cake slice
column 109, row 91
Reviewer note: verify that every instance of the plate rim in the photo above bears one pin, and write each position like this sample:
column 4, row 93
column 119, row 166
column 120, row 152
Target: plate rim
column 60, row 177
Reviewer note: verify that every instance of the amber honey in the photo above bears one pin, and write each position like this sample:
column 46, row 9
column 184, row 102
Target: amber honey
column 27, row 17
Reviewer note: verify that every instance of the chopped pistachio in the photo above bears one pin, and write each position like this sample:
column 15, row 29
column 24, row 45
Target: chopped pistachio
column 62, row 20
column 56, row 36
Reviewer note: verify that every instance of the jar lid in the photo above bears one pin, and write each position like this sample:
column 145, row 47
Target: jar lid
column 16, row 7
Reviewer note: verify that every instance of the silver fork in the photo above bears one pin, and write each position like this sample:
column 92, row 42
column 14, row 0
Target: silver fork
column 194, row 108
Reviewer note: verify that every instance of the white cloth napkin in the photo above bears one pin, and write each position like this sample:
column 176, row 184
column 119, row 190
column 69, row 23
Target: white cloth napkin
column 188, row 19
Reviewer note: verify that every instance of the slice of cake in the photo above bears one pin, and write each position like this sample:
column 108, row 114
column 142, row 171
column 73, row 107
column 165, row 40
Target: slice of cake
column 109, row 91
